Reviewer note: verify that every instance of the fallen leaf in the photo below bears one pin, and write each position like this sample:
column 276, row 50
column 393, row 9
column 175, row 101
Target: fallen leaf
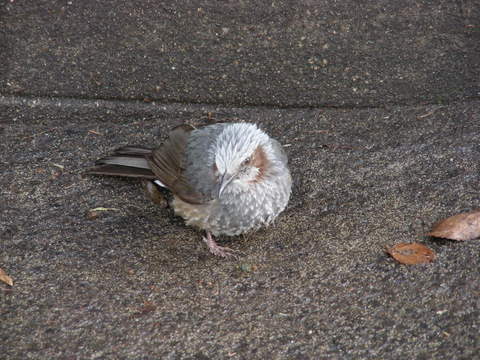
column 465, row 226
column 95, row 132
column 61, row 167
column 95, row 213
column 104, row 209
column 411, row 254
column 5, row 278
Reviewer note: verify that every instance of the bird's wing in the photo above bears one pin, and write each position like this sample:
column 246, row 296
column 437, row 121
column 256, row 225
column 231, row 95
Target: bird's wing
column 127, row 161
column 167, row 163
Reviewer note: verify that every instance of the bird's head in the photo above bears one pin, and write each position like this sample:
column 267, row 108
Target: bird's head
column 242, row 157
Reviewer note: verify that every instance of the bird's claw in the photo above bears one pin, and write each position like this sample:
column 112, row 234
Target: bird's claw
column 218, row 250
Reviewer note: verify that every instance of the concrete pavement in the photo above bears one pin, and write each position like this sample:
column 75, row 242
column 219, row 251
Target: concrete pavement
column 378, row 109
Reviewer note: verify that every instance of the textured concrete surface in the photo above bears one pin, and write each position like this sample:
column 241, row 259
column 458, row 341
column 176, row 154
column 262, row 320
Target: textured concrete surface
column 383, row 139
column 281, row 53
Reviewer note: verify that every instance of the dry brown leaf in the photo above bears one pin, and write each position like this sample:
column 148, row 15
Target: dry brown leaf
column 61, row 167
column 94, row 132
column 95, row 213
column 465, row 226
column 5, row 278
column 411, row 254
column 104, row 209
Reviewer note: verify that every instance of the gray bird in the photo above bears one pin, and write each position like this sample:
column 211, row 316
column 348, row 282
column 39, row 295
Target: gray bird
column 226, row 178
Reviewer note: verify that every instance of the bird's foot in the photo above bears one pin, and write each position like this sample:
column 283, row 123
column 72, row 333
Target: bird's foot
column 218, row 250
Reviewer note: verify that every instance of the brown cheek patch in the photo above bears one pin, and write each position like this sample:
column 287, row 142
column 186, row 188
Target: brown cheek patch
column 260, row 161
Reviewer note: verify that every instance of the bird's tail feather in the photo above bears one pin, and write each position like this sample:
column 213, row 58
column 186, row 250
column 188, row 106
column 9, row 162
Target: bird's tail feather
column 127, row 161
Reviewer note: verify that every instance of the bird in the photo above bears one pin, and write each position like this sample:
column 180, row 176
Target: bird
column 226, row 178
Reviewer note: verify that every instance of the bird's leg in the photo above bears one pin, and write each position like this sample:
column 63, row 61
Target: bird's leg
column 216, row 249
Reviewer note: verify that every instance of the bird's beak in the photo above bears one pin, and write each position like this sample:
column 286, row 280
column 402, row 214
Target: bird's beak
column 224, row 181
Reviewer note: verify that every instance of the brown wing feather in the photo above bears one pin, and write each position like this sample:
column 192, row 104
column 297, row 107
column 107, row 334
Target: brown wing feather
column 116, row 170
column 167, row 162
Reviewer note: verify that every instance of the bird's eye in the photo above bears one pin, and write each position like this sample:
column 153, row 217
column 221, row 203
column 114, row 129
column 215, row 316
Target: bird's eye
column 246, row 161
